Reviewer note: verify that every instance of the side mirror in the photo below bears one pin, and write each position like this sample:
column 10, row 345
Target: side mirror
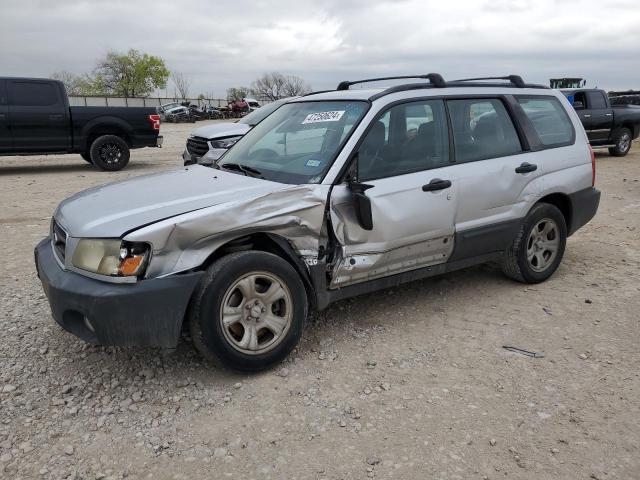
column 578, row 106
column 362, row 204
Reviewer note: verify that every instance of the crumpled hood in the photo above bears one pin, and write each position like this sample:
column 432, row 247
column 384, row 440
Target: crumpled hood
column 218, row 130
column 111, row 210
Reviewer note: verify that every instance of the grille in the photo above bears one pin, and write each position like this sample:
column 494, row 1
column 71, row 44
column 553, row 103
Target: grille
column 59, row 240
column 197, row 146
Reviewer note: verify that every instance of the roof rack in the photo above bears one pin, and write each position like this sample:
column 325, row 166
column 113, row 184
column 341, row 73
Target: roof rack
column 516, row 80
column 435, row 80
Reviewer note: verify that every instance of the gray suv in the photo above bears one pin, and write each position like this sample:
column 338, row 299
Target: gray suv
column 333, row 195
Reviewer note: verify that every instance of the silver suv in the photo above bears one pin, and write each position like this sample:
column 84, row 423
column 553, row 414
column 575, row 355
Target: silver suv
column 333, row 195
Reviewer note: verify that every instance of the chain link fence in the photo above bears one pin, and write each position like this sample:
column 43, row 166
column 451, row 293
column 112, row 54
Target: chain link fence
column 97, row 101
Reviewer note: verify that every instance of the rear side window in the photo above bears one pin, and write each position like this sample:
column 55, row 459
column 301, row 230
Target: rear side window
column 482, row 129
column 596, row 100
column 549, row 119
column 3, row 94
column 32, row 94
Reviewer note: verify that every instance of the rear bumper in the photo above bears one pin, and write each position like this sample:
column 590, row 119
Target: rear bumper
column 141, row 141
column 148, row 313
column 584, row 205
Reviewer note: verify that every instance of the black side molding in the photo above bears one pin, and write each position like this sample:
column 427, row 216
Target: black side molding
column 484, row 240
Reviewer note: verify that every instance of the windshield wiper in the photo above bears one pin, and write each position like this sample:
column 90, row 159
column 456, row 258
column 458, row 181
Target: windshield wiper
column 248, row 171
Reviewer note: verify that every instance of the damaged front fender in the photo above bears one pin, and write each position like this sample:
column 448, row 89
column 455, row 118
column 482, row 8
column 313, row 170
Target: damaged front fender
column 185, row 242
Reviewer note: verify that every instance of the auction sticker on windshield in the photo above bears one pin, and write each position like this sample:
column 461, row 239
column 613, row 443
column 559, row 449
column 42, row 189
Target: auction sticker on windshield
column 333, row 116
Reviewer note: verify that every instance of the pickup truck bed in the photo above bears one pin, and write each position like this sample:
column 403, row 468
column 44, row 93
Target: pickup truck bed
column 35, row 118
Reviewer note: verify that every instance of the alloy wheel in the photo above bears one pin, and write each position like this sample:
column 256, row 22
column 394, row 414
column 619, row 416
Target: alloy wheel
column 543, row 244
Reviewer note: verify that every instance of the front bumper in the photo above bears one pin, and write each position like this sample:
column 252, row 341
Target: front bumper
column 148, row 313
column 207, row 159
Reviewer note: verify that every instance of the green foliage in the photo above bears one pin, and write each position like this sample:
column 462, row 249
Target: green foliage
column 133, row 74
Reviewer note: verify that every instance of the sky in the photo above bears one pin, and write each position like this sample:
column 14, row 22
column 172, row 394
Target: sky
column 221, row 44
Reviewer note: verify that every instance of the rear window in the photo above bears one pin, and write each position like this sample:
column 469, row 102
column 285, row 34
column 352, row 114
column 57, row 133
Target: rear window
column 32, row 94
column 549, row 119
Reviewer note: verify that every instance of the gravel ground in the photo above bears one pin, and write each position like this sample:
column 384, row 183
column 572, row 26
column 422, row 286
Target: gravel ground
column 406, row 383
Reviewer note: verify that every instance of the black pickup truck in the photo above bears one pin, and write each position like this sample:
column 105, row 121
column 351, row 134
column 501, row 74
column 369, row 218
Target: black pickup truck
column 36, row 119
column 612, row 127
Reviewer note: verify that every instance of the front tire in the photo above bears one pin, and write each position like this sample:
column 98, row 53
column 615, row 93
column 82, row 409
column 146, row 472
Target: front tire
column 86, row 157
column 538, row 248
column 622, row 140
column 249, row 311
column 110, row 153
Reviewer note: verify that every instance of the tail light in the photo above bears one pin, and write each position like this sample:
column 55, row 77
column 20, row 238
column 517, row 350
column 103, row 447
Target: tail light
column 155, row 121
column 593, row 166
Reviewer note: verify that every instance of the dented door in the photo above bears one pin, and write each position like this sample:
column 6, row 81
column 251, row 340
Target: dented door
column 411, row 228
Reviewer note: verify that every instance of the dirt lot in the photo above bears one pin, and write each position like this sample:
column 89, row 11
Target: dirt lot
column 408, row 383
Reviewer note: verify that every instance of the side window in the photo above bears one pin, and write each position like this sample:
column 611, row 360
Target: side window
column 549, row 119
column 3, row 95
column 482, row 129
column 409, row 137
column 580, row 98
column 596, row 100
column 32, row 94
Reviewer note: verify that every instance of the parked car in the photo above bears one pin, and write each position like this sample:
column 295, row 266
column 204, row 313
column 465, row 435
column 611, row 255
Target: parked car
column 168, row 106
column 36, row 119
column 253, row 103
column 332, row 195
column 208, row 143
column 179, row 114
column 607, row 126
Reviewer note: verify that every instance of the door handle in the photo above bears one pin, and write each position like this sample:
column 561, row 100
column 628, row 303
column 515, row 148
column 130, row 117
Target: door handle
column 526, row 168
column 609, row 114
column 586, row 115
column 436, row 184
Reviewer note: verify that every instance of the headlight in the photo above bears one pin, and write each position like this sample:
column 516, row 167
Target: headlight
column 115, row 258
column 225, row 142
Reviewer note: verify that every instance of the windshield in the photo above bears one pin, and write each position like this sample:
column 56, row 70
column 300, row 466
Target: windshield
column 297, row 143
column 260, row 114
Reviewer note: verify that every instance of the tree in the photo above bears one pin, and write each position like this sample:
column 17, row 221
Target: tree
column 295, row 86
column 237, row 93
column 77, row 84
column 131, row 74
column 182, row 84
column 274, row 86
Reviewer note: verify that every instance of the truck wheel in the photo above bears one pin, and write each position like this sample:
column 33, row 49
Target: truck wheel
column 85, row 156
column 537, row 250
column 109, row 152
column 622, row 140
column 249, row 311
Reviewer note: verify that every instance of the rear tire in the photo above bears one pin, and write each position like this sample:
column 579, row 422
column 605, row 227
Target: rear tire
column 622, row 139
column 249, row 311
column 110, row 153
column 538, row 248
